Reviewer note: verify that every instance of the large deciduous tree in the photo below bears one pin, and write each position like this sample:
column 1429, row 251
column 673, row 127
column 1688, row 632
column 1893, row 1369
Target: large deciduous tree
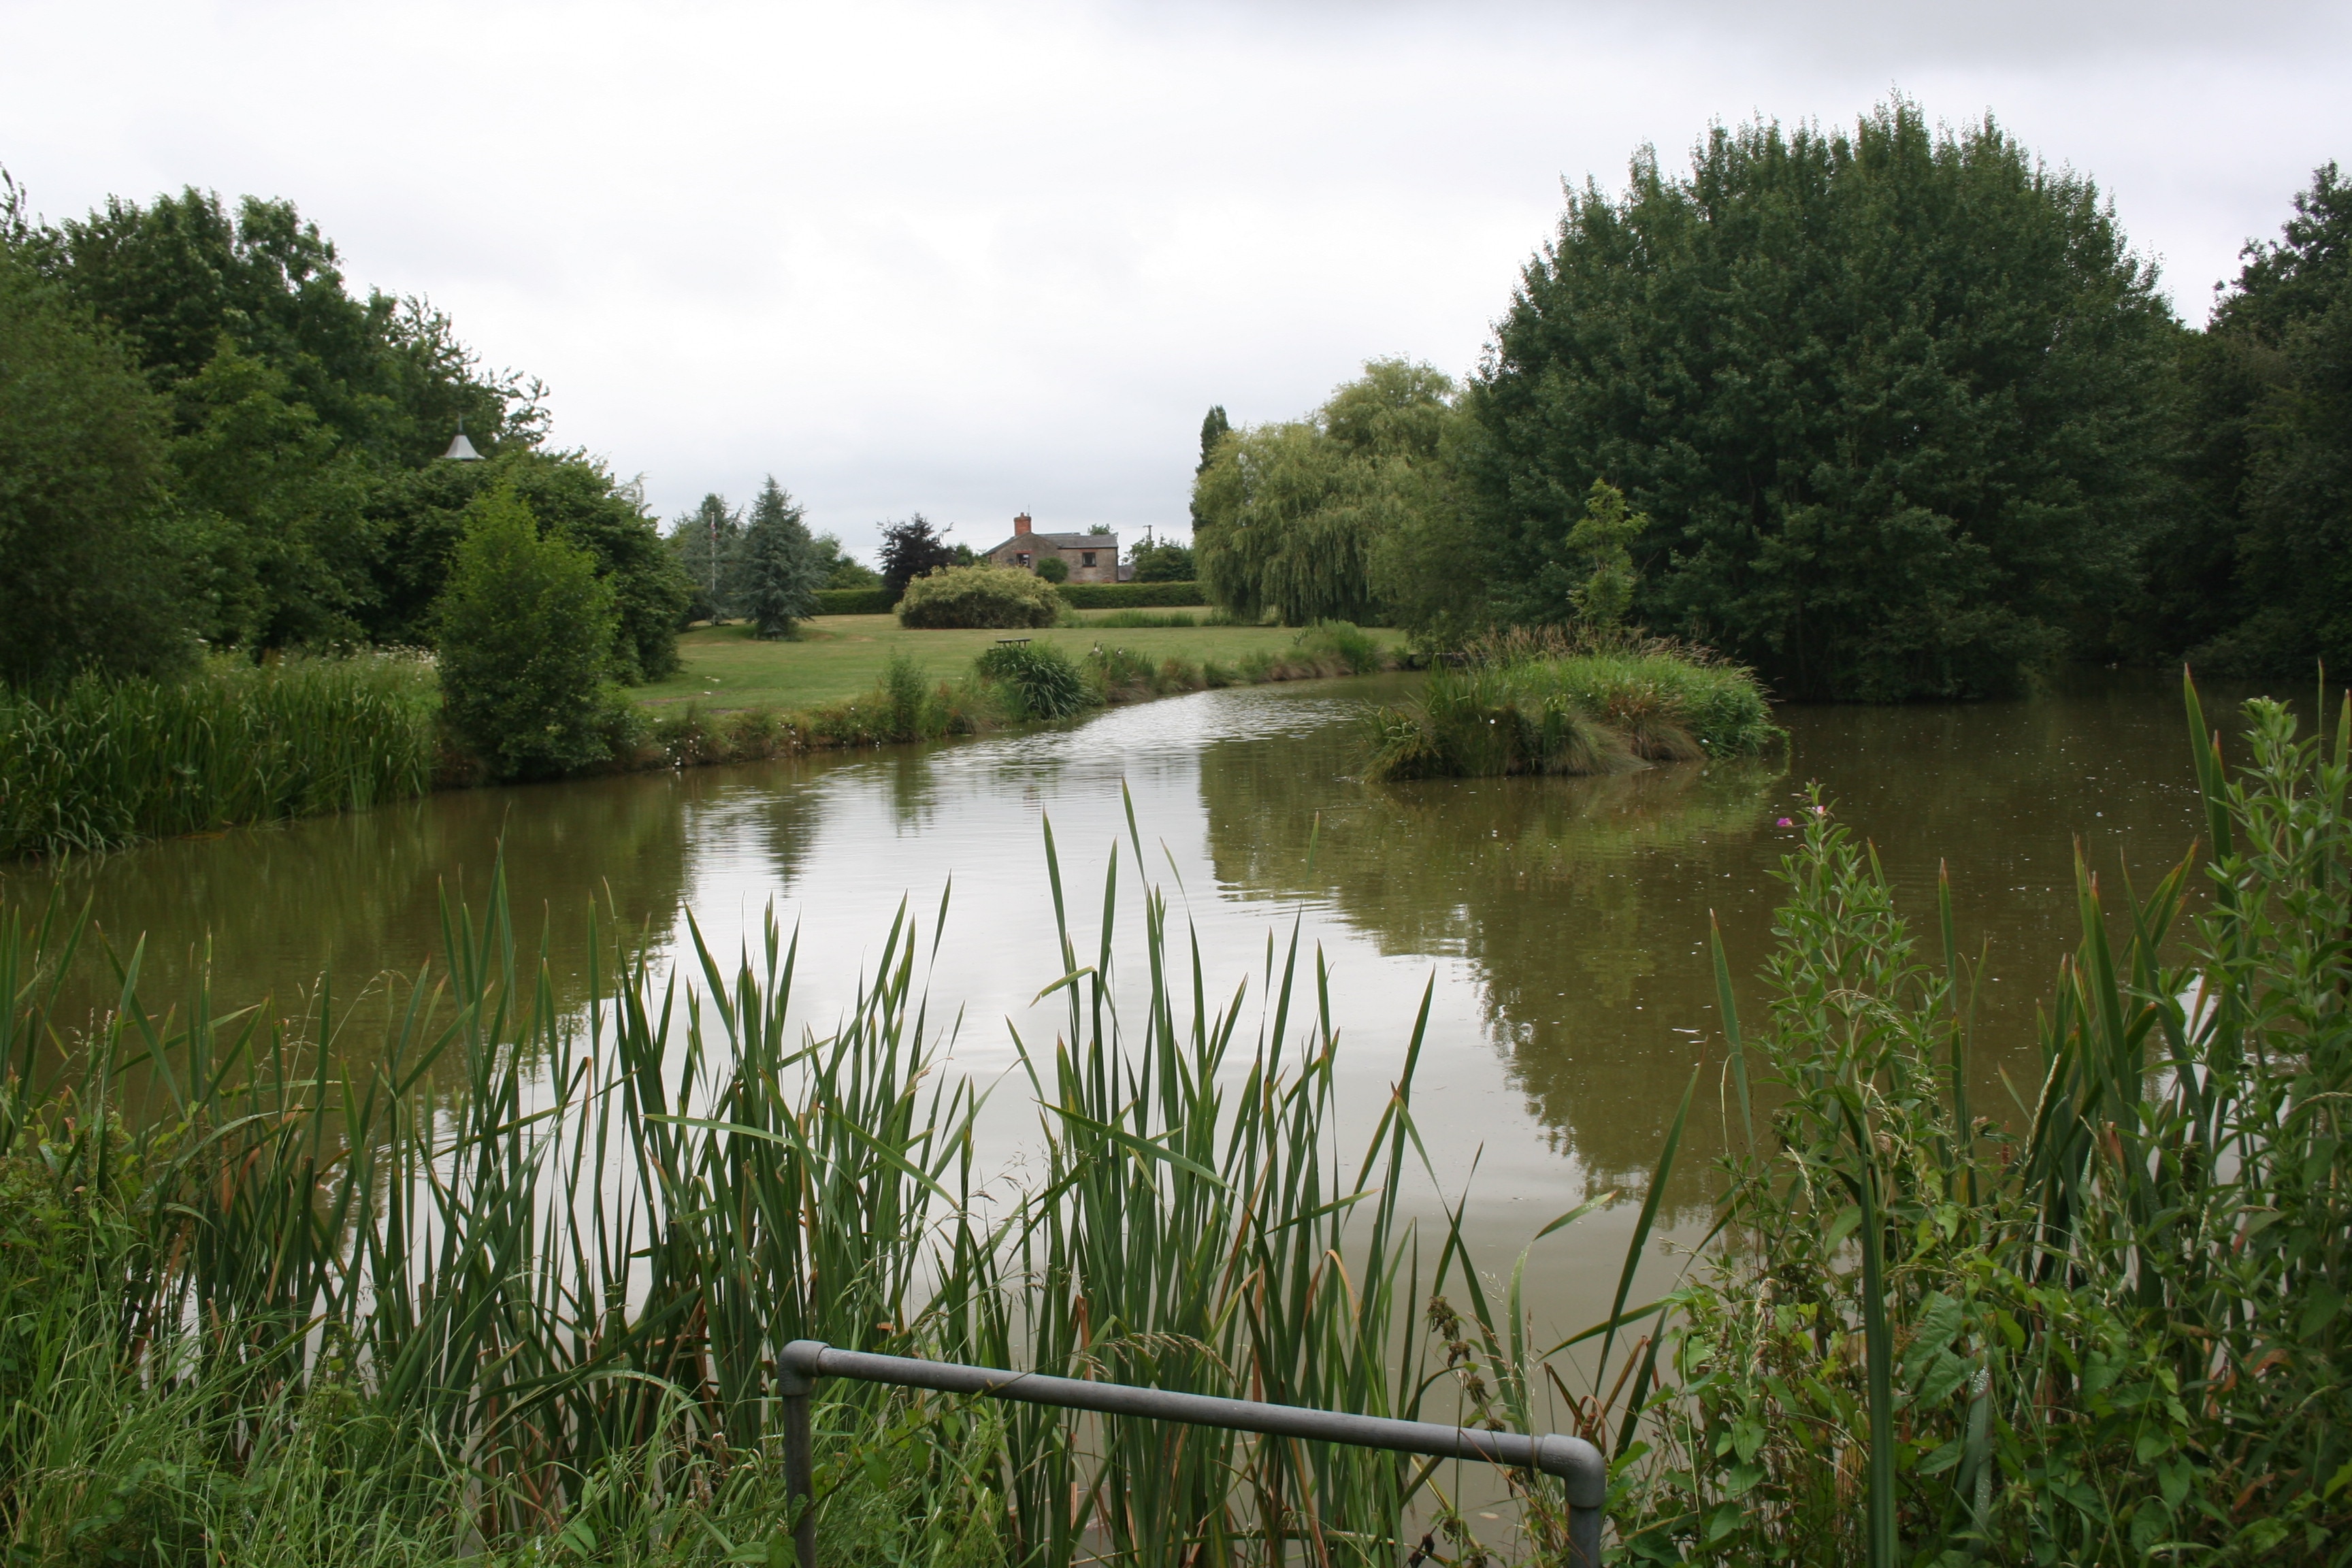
column 1891, row 399
column 419, row 516
column 92, row 576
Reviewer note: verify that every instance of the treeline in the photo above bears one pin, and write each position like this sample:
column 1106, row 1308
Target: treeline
column 207, row 440
column 1892, row 413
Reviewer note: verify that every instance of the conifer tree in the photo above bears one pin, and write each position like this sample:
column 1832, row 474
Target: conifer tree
column 707, row 541
column 780, row 568
column 1606, row 533
column 1212, row 430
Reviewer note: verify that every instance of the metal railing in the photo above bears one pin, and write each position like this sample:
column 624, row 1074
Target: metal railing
column 1574, row 1461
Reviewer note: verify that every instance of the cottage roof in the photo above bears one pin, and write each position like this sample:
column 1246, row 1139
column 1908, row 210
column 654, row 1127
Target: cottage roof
column 1060, row 542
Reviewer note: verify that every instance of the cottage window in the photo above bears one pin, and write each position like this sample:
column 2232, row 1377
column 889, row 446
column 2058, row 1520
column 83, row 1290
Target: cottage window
column 1085, row 558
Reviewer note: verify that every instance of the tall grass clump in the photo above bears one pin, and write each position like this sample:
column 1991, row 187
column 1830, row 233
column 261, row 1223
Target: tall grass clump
column 1523, row 704
column 105, row 762
column 1037, row 680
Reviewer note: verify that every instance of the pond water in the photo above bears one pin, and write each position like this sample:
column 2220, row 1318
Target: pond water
column 1562, row 922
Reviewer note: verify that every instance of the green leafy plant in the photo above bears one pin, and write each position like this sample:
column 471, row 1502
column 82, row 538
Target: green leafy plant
column 525, row 636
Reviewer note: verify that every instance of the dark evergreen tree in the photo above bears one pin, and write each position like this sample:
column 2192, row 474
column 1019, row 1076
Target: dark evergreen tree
column 2253, row 576
column 1892, row 401
column 779, row 568
column 910, row 549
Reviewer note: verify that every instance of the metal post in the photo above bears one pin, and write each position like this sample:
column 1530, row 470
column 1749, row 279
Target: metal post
column 795, row 1386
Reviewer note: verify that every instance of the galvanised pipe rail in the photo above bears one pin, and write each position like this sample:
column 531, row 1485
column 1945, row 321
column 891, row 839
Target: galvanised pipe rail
column 1575, row 1461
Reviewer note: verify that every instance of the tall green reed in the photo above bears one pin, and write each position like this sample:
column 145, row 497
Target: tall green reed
column 101, row 763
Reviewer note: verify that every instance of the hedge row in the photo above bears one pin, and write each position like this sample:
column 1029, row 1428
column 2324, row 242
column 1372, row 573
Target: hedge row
column 852, row 601
column 1079, row 595
column 1131, row 596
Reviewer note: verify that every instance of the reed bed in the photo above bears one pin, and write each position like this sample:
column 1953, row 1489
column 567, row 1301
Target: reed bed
column 514, row 1285
column 1526, row 703
column 102, row 763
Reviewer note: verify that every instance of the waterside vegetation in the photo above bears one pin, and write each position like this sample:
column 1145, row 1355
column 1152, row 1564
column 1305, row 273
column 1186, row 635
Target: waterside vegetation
column 106, row 762
column 512, row 1289
column 1548, row 702
column 107, row 759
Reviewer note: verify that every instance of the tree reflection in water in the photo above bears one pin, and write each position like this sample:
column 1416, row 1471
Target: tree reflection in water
column 1565, row 896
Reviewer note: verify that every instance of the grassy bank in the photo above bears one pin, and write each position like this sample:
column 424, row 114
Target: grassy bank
column 1530, row 704
column 104, row 763
column 841, row 657
column 1051, row 674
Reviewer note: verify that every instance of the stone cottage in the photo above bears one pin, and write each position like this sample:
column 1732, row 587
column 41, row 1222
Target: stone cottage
column 1091, row 557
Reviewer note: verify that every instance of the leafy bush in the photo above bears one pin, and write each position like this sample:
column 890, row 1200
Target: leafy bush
column 1038, row 679
column 526, row 637
column 1131, row 596
column 980, row 597
column 1054, row 569
column 852, row 601
column 103, row 763
column 1166, row 562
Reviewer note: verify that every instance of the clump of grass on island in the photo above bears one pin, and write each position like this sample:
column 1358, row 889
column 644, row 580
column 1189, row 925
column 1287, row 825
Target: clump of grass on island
column 1543, row 702
column 101, row 763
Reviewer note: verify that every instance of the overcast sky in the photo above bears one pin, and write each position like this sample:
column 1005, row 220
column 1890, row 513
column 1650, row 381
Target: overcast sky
column 971, row 258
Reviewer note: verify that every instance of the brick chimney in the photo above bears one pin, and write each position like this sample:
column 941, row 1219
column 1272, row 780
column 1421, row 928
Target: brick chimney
column 1021, row 523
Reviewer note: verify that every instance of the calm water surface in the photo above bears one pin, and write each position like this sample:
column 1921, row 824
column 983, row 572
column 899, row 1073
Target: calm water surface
column 1562, row 922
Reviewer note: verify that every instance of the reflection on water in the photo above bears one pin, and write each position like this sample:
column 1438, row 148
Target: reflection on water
column 1564, row 921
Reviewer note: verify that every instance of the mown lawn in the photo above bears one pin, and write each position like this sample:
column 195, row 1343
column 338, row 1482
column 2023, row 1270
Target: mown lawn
column 841, row 655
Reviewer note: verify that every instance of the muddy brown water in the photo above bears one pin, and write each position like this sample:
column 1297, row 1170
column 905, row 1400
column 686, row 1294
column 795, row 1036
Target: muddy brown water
column 1563, row 921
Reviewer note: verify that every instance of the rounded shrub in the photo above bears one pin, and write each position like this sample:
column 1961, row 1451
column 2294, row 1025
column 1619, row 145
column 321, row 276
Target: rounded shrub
column 1054, row 569
column 983, row 596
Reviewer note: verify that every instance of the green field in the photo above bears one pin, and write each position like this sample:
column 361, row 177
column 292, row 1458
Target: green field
column 842, row 656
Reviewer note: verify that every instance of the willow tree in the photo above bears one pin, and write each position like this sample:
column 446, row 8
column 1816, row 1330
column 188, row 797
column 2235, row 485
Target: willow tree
column 1301, row 518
